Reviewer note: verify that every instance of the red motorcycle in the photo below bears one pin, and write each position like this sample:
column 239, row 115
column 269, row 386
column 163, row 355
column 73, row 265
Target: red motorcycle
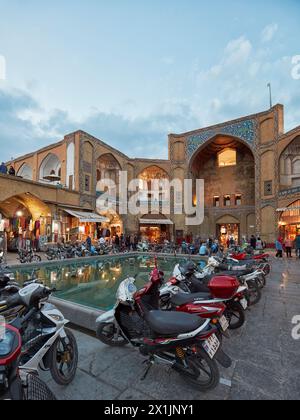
column 243, row 256
column 185, row 342
column 225, row 302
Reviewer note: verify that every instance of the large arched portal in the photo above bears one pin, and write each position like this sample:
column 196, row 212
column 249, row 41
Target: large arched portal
column 24, row 217
column 227, row 166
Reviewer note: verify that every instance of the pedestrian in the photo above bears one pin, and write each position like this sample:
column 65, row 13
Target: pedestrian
column 203, row 250
column 136, row 242
column 88, row 243
column 12, row 171
column 297, row 243
column 288, row 247
column 253, row 242
column 259, row 244
column 279, row 248
column 3, row 169
column 117, row 242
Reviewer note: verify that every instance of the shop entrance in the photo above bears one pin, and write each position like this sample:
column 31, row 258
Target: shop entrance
column 289, row 224
column 225, row 232
column 26, row 221
column 155, row 228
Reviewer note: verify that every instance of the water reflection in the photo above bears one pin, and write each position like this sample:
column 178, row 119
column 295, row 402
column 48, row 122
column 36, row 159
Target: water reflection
column 95, row 284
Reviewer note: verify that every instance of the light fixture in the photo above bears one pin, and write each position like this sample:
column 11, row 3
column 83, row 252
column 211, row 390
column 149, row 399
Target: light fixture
column 19, row 213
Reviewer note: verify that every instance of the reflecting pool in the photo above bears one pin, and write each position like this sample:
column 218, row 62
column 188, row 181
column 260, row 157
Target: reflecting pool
column 94, row 283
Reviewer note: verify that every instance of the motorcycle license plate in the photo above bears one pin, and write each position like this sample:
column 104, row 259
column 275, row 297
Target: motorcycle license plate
column 211, row 346
column 244, row 304
column 224, row 323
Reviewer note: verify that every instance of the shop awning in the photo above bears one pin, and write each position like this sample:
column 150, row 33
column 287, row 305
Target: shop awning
column 288, row 209
column 155, row 222
column 87, row 217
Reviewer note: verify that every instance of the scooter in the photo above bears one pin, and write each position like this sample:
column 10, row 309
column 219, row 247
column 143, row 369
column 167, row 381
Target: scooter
column 182, row 341
column 16, row 384
column 47, row 344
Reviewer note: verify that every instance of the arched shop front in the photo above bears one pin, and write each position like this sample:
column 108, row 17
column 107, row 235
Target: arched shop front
column 289, row 224
column 25, row 220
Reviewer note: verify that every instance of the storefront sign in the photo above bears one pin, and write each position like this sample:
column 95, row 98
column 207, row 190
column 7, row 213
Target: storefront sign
column 290, row 191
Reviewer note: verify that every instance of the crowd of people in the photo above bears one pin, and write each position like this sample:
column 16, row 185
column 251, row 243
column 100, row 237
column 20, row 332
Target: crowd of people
column 288, row 246
column 7, row 170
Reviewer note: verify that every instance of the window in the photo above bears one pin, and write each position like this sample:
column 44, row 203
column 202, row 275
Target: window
column 216, row 201
column 268, row 188
column 227, row 158
column 238, row 200
column 87, row 183
column 227, row 201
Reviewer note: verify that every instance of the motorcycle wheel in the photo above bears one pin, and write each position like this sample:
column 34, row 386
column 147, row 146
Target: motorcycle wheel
column 262, row 282
column 202, row 372
column 235, row 315
column 64, row 359
column 106, row 333
column 35, row 259
column 254, row 294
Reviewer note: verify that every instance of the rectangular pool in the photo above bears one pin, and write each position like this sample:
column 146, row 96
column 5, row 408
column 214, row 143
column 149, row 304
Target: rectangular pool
column 94, row 283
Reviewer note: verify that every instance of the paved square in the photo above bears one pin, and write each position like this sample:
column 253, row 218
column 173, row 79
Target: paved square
column 266, row 358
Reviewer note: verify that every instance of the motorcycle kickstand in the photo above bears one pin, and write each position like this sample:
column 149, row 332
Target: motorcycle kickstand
column 149, row 364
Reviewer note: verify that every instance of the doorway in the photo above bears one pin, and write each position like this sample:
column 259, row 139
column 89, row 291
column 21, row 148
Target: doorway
column 227, row 231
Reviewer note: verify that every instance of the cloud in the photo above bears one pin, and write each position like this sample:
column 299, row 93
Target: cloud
column 233, row 86
column 269, row 32
column 25, row 127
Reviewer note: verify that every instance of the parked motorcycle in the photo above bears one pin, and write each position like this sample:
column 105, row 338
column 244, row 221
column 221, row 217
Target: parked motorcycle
column 143, row 246
column 185, row 342
column 28, row 256
column 18, row 384
column 197, row 280
column 46, row 342
column 178, row 293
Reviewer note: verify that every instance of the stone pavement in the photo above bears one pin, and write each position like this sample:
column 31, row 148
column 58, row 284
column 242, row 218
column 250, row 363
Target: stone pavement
column 266, row 358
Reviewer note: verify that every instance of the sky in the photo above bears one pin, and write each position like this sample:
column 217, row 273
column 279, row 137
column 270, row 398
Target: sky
column 130, row 72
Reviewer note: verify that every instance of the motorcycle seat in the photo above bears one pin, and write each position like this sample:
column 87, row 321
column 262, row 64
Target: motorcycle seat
column 183, row 298
column 167, row 324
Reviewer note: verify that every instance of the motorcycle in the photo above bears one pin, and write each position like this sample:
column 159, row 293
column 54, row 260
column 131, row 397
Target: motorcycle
column 28, row 256
column 185, row 342
column 226, row 290
column 47, row 344
column 16, row 384
column 143, row 246
column 197, row 280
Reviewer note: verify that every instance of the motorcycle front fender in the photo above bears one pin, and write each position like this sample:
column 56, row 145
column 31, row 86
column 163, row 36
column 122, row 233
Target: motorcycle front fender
column 107, row 318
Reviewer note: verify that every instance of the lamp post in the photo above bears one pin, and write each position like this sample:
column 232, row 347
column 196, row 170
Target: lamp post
column 270, row 92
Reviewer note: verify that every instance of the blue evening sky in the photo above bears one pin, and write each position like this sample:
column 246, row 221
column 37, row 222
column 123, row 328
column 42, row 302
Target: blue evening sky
column 130, row 72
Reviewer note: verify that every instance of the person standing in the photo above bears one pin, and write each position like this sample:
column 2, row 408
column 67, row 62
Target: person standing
column 259, row 245
column 3, row 169
column 288, row 247
column 253, row 242
column 279, row 249
column 12, row 171
column 298, row 246
column 117, row 242
column 89, row 243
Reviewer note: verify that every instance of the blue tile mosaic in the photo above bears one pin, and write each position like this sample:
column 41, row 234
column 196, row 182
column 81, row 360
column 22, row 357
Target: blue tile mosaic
column 245, row 130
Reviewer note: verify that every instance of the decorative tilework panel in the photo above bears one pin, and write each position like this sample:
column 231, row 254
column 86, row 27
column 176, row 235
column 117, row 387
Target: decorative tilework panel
column 245, row 130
